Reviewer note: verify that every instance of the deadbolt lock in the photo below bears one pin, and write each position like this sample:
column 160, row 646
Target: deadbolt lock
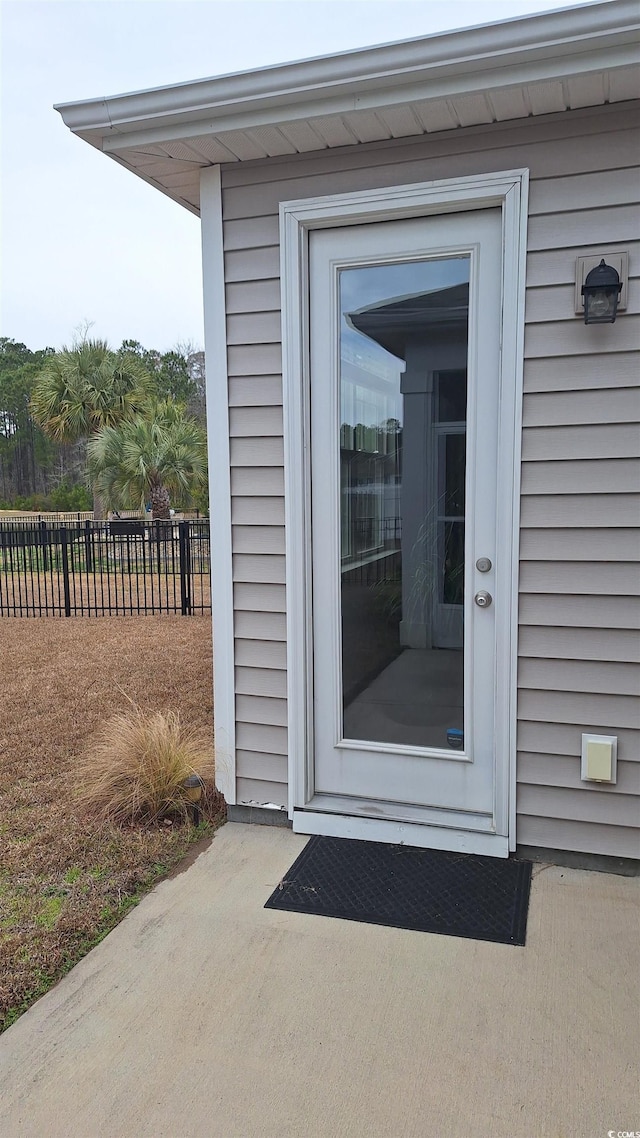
column 483, row 599
column 483, row 565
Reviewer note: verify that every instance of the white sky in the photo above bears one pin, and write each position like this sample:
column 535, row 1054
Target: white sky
column 85, row 240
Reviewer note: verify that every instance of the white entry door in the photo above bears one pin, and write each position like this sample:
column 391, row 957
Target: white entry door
column 404, row 408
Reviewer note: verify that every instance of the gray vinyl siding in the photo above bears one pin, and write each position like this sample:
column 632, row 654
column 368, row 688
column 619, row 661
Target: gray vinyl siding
column 579, row 611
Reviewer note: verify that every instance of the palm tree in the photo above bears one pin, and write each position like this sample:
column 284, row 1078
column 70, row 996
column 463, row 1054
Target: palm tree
column 86, row 387
column 149, row 457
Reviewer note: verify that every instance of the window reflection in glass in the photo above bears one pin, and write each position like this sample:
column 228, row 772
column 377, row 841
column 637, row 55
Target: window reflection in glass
column 403, row 395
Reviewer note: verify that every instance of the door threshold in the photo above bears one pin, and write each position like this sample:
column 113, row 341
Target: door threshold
column 423, row 835
column 404, row 813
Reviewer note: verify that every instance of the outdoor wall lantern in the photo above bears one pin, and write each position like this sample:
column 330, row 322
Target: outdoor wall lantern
column 601, row 291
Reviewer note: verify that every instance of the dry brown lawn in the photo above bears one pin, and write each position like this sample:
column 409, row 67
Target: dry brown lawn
column 64, row 880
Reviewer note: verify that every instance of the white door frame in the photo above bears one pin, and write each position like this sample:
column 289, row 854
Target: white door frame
column 509, row 191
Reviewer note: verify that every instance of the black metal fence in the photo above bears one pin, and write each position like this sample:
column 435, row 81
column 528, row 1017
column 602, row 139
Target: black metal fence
column 122, row 567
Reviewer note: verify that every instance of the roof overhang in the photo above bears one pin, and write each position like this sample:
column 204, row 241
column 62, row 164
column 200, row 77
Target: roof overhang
column 407, row 319
column 576, row 57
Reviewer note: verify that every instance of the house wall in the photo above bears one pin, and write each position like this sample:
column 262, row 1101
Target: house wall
column 578, row 654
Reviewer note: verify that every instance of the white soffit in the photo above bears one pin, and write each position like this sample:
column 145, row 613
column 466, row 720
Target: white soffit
column 564, row 60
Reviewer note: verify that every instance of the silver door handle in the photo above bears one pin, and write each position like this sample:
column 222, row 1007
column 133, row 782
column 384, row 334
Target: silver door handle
column 483, row 599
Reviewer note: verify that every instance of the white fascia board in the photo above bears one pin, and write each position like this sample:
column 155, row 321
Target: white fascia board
column 449, row 86
column 535, row 47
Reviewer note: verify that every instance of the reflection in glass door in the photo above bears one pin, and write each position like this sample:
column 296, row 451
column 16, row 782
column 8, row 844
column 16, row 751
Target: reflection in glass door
column 403, row 411
column 450, row 431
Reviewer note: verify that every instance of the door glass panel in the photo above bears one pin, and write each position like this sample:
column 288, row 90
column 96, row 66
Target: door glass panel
column 403, row 400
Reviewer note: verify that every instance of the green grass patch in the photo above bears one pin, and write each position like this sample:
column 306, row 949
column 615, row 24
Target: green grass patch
column 50, row 912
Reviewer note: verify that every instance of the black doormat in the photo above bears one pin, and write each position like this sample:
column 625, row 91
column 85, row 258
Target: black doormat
column 431, row 891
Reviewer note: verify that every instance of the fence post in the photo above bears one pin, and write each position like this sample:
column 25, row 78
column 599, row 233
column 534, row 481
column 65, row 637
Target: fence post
column 156, row 527
column 64, row 549
column 88, row 547
column 185, row 568
column 43, row 539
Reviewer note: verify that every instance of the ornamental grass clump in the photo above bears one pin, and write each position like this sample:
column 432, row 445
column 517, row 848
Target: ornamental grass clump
column 137, row 764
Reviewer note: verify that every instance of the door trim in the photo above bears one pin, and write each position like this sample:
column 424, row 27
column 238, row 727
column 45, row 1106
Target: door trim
column 509, row 191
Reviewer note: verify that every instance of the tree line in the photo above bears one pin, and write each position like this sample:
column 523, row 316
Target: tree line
column 88, row 425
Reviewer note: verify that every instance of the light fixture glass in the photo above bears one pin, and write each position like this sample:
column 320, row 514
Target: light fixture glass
column 601, row 290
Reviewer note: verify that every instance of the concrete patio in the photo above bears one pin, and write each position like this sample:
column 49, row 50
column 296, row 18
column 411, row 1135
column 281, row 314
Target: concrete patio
column 203, row 1015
